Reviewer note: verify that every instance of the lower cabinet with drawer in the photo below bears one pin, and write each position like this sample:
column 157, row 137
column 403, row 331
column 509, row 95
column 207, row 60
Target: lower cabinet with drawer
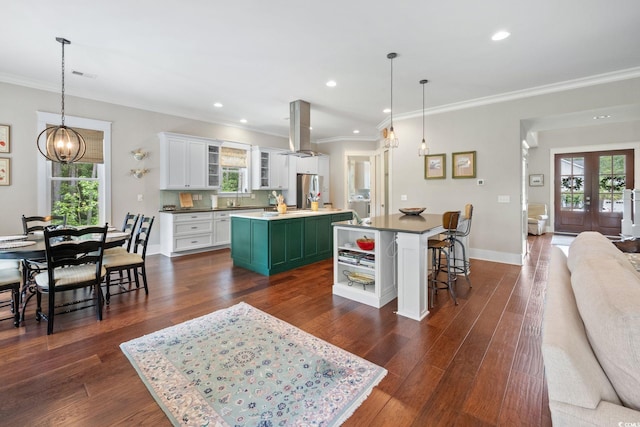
column 183, row 233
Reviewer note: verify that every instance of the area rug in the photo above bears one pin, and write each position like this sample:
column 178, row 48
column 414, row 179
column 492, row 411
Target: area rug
column 242, row 367
column 562, row 239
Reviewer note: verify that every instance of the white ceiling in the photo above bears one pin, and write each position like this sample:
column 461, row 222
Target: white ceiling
column 255, row 56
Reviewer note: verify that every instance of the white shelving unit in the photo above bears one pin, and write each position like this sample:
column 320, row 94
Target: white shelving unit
column 384, row 288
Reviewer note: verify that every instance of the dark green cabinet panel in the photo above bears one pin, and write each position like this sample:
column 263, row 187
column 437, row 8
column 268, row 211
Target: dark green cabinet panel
column 270, row 247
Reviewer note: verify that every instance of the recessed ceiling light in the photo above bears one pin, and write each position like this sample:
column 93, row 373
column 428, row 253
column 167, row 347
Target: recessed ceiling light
column 604, row 116
column 356, row 131
column 386, row 110
column 331, row 83
column 500, row 35
column 243, row 120
column 217, row 105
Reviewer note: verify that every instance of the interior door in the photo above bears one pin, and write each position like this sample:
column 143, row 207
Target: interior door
column 589, row 188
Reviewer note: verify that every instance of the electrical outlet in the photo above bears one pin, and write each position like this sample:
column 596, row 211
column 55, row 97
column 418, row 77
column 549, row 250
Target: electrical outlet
column 481, row 181
column 140, row 197
column 253, row 196
column 403, row 197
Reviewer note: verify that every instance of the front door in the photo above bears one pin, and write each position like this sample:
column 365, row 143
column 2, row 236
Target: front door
column 589, row 188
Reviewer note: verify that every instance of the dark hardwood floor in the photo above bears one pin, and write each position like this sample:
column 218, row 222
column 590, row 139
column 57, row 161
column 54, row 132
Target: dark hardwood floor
column 475, row 364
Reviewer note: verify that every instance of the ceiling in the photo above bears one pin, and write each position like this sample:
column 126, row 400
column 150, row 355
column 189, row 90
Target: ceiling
column 256, row 56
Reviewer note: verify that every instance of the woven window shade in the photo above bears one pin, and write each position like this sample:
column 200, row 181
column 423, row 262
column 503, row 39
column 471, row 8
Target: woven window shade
column 233, row 157
column 95, row 141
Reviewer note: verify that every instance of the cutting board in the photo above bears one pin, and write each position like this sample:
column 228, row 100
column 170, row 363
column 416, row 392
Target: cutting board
column 186, row 201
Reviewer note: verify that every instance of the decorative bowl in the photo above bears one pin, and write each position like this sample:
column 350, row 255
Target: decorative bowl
column 412, row 211
column 366, row 244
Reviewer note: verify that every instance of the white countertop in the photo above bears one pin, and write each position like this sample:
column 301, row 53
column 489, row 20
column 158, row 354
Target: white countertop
column 271, row 216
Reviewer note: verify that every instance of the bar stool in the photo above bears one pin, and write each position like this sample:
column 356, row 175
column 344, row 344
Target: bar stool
column 439, row 248
column 461, row 265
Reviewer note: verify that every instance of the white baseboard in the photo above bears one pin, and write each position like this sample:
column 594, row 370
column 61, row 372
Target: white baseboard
column 503, row 257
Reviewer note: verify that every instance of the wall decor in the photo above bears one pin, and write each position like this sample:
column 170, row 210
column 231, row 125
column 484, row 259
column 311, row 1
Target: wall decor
column 464, row 164
column 435, row 166
column 536, row 180
column 5, row 171
column 5, row 138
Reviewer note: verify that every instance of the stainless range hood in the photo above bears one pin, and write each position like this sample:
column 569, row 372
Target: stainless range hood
column 299, row 133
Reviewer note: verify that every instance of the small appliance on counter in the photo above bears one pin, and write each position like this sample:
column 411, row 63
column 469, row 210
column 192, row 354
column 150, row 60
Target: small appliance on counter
column 214, row 201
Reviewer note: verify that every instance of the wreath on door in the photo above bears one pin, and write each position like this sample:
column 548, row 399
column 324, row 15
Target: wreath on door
column 572, row 183
column 615, row 183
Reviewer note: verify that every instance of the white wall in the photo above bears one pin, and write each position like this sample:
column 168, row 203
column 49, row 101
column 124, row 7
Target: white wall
column 131, row 129
column 494, row 132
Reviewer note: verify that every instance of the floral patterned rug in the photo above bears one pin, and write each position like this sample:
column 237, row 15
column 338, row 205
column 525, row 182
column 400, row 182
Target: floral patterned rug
column 242, row 367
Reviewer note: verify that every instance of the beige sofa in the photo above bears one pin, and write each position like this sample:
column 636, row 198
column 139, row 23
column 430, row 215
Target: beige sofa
column 537, row 218
column 591, row 335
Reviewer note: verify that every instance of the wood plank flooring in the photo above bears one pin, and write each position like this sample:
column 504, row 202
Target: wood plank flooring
column 475, row 364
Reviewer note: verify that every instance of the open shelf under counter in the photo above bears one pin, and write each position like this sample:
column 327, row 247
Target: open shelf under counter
column 378, row 264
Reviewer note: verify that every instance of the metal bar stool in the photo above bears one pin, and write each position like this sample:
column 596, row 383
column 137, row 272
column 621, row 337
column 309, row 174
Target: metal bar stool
column 439, row 248
column 461, row 265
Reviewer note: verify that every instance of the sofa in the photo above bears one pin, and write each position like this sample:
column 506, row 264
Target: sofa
column 537, row 218
column 591, row 335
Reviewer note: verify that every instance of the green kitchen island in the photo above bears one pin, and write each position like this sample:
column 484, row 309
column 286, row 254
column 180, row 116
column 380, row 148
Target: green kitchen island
column 270, row 243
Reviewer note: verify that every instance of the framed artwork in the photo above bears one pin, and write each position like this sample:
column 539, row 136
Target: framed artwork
column 536, row 180
column 435, row 166
column 464, row 164
column 5, row 171
column 5, row 143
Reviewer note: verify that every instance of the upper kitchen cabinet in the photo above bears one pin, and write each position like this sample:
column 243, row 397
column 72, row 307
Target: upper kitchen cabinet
column 188, row 162
column 270, row 169
column 307, row 164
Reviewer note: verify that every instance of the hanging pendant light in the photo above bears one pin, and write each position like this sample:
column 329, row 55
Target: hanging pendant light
column 424, row 150
column 61, row 144
column 390, row 138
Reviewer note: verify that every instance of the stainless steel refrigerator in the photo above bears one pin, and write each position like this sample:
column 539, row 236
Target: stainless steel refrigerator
column 308, row 186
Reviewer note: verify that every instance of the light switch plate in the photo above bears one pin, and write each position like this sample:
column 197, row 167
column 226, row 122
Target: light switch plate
column 403, row 197
column 504, row 199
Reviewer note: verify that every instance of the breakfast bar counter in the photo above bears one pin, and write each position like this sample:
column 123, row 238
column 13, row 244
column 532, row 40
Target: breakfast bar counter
column 409, row 262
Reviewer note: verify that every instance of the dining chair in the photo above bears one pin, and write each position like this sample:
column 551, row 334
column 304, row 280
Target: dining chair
column 38, row 223
column 128, row 226
column 130, row 261
column 74, row 261
column 31, row 225
column 10, row 280
column 440, row 248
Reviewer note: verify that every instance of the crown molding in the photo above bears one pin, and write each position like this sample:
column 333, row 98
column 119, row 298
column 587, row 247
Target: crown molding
column 598, row 79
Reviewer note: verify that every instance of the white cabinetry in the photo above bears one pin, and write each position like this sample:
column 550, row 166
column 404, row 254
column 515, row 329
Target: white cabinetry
column 185, row 232
column 270, row 169
column 325, row 172
column 188, row 162
column 307, row 164
column 377, row 265
column 221, row 228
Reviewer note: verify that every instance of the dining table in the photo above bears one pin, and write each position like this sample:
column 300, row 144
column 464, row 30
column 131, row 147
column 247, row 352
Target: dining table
column 31, row 247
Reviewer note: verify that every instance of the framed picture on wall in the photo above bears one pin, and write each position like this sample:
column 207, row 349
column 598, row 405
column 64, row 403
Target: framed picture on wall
column 536, row 180
column 5, row 143
column 5, row 171
column 464, row 164
column 435, row 166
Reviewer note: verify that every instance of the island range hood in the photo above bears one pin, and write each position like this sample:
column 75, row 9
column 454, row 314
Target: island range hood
column 299, row 133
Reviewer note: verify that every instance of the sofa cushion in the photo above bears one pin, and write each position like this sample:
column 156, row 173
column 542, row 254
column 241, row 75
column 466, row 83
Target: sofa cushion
column 591, row 247
column 572, row 370
column 608, row 297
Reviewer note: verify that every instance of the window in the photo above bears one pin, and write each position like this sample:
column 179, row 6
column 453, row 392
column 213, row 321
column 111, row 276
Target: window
column 80, row 190
column 235, row 168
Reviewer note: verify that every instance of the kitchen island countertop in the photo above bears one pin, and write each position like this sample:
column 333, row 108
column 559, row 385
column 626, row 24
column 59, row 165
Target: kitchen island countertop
column 301, row 213
column 417, row 224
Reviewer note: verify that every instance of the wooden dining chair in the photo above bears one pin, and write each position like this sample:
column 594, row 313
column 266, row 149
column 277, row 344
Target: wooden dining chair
column 10, row 280
column 128, row 226
column 74, row 261
column 38, row 223
column 129, row 261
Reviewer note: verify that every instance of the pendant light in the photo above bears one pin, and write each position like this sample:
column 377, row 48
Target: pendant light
column 424, row 150
column 390, row 138
column 61, row 144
